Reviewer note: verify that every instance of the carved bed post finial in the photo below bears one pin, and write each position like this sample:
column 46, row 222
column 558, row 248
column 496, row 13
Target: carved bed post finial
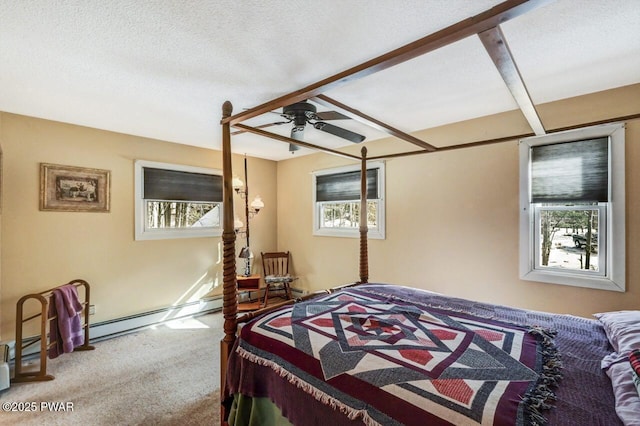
column 364, row 256
column 227, row 109
column 229, row 290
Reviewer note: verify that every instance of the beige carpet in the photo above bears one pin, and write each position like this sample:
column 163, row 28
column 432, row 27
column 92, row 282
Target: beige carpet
column 168, row 375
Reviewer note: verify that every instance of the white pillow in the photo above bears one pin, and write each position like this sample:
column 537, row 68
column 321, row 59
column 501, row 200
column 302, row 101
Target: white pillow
column 627, row 399
column 623, row 330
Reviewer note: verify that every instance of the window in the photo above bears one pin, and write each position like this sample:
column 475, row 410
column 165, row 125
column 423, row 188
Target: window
column 336, row 195
column 174, row 201
column 572, row 216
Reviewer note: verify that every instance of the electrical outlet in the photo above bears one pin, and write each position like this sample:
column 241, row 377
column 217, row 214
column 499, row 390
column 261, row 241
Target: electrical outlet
column 92, row 309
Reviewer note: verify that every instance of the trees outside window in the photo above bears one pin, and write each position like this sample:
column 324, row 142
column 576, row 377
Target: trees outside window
column 337, row 201
column 569, row 237
column 572, row 212
column 176, row 201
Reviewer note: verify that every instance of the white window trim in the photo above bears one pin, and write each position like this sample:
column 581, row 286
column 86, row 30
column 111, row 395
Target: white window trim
column 373, row 233
column 140, row 215
column 614, row 237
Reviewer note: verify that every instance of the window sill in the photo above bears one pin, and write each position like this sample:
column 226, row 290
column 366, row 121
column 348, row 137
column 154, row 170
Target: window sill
column 348, row 233
column 575, row 280
column 167, row 234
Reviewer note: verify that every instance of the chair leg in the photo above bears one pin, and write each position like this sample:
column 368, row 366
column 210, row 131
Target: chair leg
column 287, row 290
column 266, row 296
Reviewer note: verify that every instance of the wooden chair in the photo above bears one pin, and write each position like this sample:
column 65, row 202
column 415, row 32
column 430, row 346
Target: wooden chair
column 275, row 267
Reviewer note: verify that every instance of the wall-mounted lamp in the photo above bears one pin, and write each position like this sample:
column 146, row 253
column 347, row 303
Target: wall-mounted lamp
column 256, row 205
column 257, row 202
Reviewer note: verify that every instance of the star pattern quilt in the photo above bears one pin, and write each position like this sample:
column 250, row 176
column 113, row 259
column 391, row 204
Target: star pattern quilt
column 378, row 359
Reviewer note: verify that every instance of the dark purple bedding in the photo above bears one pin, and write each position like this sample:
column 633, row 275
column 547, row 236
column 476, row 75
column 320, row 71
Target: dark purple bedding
column 383, row 354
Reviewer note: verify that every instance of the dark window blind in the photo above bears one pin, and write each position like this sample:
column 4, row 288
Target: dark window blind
column 570, row 172
column 345, row 186
column 160, row 184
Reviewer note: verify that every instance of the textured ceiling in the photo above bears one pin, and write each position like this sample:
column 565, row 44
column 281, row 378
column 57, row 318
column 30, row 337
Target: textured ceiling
column 162, row 69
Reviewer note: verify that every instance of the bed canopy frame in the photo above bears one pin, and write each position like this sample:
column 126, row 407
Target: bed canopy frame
column 485, row 25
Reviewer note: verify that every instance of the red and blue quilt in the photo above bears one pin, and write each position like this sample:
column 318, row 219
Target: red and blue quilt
column 378, row 359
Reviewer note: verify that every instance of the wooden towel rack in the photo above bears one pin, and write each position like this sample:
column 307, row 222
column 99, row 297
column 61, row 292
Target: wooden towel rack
column 44, row 299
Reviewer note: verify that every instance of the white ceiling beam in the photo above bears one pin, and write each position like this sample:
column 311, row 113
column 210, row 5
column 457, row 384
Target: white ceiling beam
column 496, row 45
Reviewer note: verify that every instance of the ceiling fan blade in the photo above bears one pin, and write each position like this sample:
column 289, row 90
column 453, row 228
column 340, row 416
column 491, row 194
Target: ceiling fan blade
column 340, row 132
column 262, row 126
column 283, row 115
column 330, row 115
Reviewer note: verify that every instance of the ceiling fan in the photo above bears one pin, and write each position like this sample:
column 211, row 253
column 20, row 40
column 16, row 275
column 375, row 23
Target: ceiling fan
column 303, row 112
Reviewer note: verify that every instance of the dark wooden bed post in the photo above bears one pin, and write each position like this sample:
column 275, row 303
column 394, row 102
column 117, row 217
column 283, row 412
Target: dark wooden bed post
column 364, row 257
column 229, row 290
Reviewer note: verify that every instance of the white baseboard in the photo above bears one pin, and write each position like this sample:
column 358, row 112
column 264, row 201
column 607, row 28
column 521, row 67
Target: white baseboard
column 107, row 329
column 298, row 292
column 117, row 327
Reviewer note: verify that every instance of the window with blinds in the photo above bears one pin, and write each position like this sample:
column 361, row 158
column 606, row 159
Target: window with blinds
column 174, row 185
column 175, row 201
column 571, row 231
column 337, row 201
column 570, row 172
column 345, row 186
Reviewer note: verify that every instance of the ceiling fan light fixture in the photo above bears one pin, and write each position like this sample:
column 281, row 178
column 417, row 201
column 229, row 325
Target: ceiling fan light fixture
column 301, row 113
column 300, row 109
column 297, row 133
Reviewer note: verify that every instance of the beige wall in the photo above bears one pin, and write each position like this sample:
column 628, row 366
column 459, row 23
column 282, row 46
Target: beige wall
column 452, row 217
column 42, row 249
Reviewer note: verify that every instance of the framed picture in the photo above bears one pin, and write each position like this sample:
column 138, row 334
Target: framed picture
column 74, row 189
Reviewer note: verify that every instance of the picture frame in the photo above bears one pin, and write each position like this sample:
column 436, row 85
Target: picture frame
column 74, row 189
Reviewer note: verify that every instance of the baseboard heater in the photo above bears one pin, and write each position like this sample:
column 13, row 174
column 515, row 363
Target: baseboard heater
column 117, row 327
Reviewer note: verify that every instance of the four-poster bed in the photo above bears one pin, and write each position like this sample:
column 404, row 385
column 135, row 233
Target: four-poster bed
column 349, row 355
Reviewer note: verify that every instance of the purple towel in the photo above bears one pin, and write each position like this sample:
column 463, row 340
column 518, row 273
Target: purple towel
column 66, row 328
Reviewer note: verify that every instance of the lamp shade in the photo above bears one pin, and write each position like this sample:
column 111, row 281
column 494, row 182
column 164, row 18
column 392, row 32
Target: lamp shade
column 257, row 203
column 245, row 253
column 237, row 183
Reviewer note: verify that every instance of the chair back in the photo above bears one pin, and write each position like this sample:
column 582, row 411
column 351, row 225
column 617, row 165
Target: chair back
column 275, row 263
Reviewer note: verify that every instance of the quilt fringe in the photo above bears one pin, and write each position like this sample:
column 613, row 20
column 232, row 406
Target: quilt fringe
column 541, row 397
column 319, row 395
